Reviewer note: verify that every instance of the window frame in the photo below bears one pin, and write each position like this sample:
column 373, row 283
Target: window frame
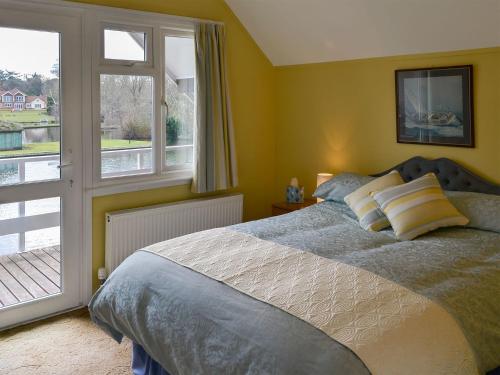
column 156, row 32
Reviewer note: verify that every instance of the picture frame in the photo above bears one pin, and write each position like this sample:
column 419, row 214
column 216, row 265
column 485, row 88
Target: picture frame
column 434, row 106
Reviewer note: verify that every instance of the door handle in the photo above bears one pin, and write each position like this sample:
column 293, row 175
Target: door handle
column 61, row 166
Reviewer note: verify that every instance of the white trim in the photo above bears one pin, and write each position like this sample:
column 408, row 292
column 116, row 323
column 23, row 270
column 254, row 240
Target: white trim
column 43, row 317
column 67, row 22
column 86, row 258
column 154, row 69
column 170, row 179
column 158, row 141
column 28, row 223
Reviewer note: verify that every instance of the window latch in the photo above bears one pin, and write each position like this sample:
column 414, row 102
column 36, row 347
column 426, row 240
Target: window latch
column 165, row 104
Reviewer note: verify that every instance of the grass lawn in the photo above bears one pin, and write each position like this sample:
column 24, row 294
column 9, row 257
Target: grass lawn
column 53, row 147
column 25, row 116
column 33, row 149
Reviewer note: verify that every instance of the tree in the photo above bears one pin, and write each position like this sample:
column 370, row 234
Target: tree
column 50, row 89
column 33, row 85
column 30, row 85
column 173, row 128
column 126, row 106
column 10, row 80
column 51, row 106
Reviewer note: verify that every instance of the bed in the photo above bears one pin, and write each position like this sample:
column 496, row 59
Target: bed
column 311, row 292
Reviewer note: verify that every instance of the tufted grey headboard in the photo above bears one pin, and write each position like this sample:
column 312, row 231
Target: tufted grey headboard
column 451, row 175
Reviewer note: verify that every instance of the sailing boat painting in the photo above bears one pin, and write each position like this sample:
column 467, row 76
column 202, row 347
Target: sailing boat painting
column 434, row 106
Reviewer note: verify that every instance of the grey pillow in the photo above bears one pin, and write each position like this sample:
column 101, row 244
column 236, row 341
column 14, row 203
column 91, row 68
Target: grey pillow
column 482, row 210
column 341, row 185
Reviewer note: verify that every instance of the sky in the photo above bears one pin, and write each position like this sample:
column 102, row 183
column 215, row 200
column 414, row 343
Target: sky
column 29, row 51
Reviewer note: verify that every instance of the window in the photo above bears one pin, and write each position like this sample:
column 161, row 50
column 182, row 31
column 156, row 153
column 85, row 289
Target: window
column 146, row 103
column 124, row 45
column 180, row 99
column 126, row 125
column 30, row 153
column 19, row 239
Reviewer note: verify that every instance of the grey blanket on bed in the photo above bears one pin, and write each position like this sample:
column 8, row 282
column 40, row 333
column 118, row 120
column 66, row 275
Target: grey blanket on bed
column 194, row 325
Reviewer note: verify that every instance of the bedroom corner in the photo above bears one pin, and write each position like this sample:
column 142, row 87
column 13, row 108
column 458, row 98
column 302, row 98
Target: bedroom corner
column 249, row 187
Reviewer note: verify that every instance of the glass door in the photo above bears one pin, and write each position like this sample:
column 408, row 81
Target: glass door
column 40, row 164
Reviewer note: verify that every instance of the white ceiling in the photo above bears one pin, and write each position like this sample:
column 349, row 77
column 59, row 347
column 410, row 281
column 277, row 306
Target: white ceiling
column 308, row 31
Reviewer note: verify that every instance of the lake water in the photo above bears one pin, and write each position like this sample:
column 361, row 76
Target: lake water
column 14, row 171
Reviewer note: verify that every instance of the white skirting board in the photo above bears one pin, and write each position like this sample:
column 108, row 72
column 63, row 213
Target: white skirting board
column 130, row 230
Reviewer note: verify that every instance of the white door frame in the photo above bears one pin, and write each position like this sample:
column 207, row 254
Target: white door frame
column 74, row 261
column 86, row 15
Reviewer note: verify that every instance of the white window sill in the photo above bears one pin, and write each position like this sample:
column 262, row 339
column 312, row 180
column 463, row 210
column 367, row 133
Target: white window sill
column 167, row 180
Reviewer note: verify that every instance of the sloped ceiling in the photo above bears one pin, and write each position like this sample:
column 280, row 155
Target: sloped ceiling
column 308, row 31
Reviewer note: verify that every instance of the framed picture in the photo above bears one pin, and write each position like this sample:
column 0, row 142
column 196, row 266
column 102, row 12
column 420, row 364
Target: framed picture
column 434, row 106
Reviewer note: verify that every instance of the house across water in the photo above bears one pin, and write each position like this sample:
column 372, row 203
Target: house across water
column 16, row 100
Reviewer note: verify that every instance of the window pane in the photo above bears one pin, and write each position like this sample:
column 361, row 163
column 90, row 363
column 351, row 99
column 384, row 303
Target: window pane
column 180, row 96
column 29, row 225
column 126, row 125
column 49, row 237
column 42, row 206
column 124, row 45
column 29, row 106
column 30, row 253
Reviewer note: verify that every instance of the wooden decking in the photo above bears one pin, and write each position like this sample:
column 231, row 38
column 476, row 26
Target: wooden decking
column 29, row 275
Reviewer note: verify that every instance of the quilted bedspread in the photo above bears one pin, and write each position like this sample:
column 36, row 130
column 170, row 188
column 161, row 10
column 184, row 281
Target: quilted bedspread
column 190, row 322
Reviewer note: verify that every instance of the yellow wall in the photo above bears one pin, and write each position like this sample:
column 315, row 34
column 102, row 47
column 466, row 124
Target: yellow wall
column 300, row 120
column 340, row 116
column 251, row 79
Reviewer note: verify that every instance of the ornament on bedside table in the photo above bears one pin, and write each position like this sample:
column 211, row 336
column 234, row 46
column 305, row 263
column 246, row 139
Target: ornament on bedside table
column 294, row 192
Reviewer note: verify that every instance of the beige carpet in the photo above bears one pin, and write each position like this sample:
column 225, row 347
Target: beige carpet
column 69, row 344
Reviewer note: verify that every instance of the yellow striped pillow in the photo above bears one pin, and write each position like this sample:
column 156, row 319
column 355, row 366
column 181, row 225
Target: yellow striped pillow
column 418, row 207
column 366, row 209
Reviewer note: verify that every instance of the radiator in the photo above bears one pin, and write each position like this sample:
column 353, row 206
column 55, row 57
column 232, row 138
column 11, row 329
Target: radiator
column 129, row 230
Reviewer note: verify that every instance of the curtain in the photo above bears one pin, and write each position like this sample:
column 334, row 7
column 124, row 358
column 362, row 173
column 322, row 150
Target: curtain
column 214, row 148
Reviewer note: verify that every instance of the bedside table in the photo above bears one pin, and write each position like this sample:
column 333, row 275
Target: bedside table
column 281, row 208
